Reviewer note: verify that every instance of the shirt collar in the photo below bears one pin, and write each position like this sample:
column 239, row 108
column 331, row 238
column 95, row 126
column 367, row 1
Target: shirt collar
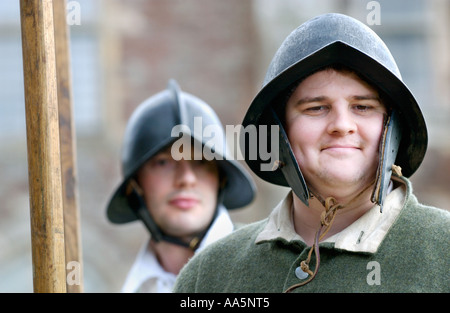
column 146, row 265
column 221, row 227
column 364, row 235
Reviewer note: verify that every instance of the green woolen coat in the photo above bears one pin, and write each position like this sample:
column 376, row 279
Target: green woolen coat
column 413, row 257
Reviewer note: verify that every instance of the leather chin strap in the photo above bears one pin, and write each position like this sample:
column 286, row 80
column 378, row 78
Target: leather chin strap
column 137, row 203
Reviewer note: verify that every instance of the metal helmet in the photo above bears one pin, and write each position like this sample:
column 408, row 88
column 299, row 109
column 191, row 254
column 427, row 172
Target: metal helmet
column 155, row 124
column 329, row 40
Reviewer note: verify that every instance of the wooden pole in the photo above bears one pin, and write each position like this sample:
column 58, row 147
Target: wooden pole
column 44, row 165
column 68, row 151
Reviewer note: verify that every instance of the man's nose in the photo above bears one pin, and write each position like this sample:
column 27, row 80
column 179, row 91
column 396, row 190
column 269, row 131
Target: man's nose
column 185, row 174
column 341, row 119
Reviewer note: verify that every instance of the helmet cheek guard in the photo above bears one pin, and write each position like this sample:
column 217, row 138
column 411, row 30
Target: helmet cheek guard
column 289, row 166
column 330, row 40
column 389, row 145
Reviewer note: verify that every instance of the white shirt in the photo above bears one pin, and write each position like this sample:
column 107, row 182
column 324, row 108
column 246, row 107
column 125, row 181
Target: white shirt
column 147, row 274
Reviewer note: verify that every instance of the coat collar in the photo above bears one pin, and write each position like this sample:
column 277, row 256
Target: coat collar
column 364, row 235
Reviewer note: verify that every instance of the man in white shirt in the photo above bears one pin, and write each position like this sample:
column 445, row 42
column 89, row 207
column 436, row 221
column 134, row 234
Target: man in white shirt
column 179, row 181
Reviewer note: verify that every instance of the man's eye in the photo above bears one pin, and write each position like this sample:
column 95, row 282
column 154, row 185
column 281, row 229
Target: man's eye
column 361, row 107
column 162, row 162
column 317, row 109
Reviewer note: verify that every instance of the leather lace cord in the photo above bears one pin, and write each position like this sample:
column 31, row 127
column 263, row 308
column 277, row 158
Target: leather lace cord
column 326, row 220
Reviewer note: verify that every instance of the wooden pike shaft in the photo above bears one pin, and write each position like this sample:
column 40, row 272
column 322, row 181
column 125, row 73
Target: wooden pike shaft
column 67, row 144
column 44, row 166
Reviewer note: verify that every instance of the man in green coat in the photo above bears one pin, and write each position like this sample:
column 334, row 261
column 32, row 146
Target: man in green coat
column 350, row 134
